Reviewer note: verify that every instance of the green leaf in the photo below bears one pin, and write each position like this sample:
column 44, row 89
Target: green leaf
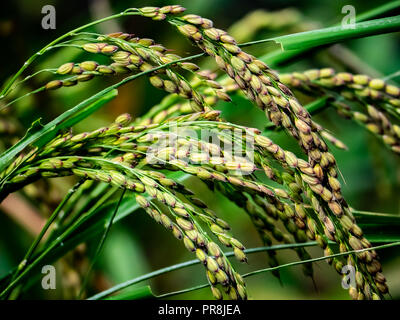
column 35, row 127
column 134, row 294
column 376, row 12
column 101, row 244
column 278, row 57
column 379, row 227
column 320, row 37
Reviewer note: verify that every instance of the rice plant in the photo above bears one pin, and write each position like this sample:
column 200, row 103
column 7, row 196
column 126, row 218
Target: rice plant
column 291, row 193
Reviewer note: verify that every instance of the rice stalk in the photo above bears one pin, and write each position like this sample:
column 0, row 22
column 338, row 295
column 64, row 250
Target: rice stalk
column 127, row 153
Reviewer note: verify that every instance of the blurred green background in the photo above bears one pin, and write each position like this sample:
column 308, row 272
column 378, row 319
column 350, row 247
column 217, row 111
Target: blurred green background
column 138, row 245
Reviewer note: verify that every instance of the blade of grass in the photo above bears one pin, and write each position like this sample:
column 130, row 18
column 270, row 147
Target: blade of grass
column 70, row 206
column 101, row 244
column 62, row 224
column 376, row 217
column 49, row 221
column 320, row 37
column 279, row 57
column 134, row 294
column 379, row 227
column 376, row 12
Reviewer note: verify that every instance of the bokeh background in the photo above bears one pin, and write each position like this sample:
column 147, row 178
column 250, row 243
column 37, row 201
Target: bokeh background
column 138, row 245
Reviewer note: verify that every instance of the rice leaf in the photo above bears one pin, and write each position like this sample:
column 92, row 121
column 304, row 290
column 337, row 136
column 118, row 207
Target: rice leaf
column 320, row 37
